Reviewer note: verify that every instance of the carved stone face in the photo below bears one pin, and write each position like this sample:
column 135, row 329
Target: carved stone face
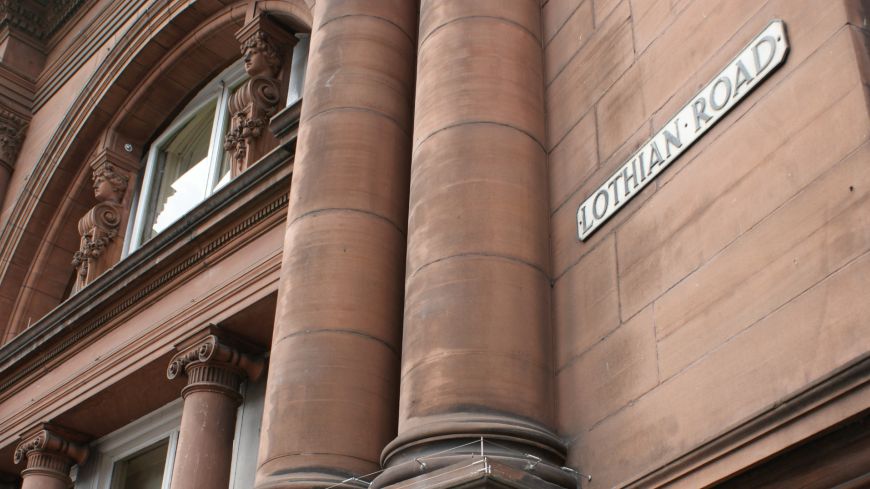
column 257, row 63
column 104, row 192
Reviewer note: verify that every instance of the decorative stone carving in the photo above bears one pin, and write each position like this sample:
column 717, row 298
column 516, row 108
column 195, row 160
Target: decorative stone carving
column 12, row 130
column 265, row 47
column 38, row 19
column 99, row 227
column 50, row 452
column 214, row 361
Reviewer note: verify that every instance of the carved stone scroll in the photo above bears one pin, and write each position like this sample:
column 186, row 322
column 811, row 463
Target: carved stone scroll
column 100, row 226
column 50, row 453
column 266, row 48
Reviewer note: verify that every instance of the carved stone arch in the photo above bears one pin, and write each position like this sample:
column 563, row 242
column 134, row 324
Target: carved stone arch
column 133, row 95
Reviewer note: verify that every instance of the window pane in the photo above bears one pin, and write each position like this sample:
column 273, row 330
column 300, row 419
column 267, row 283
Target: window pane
column 182, row 172
column 297, row 68
column 224, row 170
column 143, row 470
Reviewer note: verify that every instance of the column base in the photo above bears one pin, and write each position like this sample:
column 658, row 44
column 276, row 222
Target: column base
column 458, row 439
column 308, row 480
column 478, row 473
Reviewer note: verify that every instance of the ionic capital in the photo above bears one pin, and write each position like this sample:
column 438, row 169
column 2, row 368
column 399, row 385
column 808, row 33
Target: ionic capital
column 214, row 360
column 50, row 452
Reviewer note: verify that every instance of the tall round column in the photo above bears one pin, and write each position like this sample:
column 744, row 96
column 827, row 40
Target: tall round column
column 215, row 369
column 476, row 355
column 50, row 454
column 332, row 391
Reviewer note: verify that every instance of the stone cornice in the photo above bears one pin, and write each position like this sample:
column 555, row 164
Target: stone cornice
column 35, row 19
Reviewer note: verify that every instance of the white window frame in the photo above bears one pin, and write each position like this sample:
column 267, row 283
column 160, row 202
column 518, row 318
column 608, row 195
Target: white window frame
column 219, row 89
column 162, row 424
column 298, row 67
column 246, row 442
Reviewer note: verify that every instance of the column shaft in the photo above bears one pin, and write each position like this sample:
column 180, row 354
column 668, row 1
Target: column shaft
column 476, row 355
column 208, row 421
column 215, row 364
column 332, row 391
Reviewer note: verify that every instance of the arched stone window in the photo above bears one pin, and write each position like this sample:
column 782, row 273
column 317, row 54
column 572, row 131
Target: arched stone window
column 187, row 162
column 218, row 134
column 127, row 108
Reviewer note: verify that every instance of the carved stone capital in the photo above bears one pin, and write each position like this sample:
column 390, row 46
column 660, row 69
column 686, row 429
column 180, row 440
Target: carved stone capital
column 265, row 47
column 12, row 131
column 214, row 361
column 50, row 452
column 99, row 227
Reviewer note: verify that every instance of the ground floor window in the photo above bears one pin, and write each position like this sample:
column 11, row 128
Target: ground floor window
column 141, row 454
column 138, row 456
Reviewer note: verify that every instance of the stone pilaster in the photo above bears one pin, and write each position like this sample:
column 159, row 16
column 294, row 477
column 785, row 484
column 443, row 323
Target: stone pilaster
column 266, row 48
column 50, row 452
column 215, row 365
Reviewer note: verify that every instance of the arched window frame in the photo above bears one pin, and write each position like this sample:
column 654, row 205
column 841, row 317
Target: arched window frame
column 111, row 120
column 219, row 90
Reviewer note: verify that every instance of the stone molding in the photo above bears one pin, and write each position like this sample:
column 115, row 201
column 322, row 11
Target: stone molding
column 483, row 471
column 75, row 55
column 265, row 47
column 50, row 452
column 12, row 132
column 215, row 361
column 37, row 20
column 840, row 394
column 99, row 227
column 268, row 212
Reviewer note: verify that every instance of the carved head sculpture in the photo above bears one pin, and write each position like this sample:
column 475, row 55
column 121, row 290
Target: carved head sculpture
column 262, row 57
column 109, row 184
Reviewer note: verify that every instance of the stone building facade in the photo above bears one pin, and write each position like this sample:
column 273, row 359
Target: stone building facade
column 335, row 243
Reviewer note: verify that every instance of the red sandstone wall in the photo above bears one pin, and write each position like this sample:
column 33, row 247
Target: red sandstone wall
column 739, row 276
